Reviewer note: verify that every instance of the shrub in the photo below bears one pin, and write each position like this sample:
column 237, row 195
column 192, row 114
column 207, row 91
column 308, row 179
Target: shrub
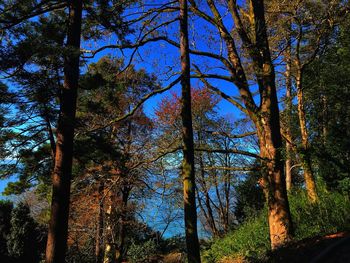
column 143, row 252
column 331, row 214
column 250, row 240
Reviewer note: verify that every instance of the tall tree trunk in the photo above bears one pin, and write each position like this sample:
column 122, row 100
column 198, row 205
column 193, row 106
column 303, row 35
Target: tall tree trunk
column 61, row 179
column 305, row 154
column 122, row 225
column 110, row 242
column 280, row 223
column 288, row 110
column 265, row 116
column 273, row 181
column 99, row 227
column 188, row 173
column 270, row 139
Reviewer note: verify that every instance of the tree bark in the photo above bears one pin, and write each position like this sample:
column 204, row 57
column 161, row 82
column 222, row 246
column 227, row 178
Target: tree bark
column 99, row 227
column 122, row 225
column 61, row 179
column 310, row 183
column 280, row 223
column 267, row 122
column 188, row 172
column 110, row 242
column 288, row 110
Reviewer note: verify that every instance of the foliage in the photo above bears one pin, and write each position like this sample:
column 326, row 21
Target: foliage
column 250, row 197
column 327, row 98
column 81, row 253
column 5, row 226
column 250, row 240
column 143, row 252
column 26, row 240
column 175, row 243
column 329, row 215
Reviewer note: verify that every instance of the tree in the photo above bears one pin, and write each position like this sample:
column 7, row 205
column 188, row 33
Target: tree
column 6, row 208
column 111, row 163
column 188, row 172
column 308, row 25
column 255, row 43
column 326, row 99
column 26, row 239
column 18, row 14
column 216, row 173
column 61, row 178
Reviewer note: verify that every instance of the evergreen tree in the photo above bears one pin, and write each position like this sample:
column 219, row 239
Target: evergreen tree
column 5, row 226
column 328, row 98
column 25, row 242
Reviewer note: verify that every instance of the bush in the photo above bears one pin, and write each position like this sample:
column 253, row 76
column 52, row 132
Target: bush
column 143, row 252
column 331, row 214
column 250, row 240
column 26, row 241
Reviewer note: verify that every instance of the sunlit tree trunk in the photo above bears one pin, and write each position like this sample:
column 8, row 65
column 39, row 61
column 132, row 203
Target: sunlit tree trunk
column 266, row 116
column 305, row 151
column 288, row 110
column 273, row 182
column 188, row 173
column 110, row 242
column 61, row 179
column 99, row 227
column 267, row 122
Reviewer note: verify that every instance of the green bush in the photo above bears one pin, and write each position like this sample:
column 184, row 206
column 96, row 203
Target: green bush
column 250, row 240
column 331, row 214
column 143, row 252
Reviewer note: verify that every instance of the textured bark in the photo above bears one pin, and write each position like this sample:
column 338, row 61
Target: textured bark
column 280, row 223
column 310, row 183
column 110, row 242
column 288, row 110
column 270, row 139
column 188, row 172
column 61, row 179
column 122, row 225
column 99, row 227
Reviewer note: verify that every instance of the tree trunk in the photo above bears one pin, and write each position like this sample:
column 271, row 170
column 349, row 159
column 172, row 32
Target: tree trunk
column 188, row 173
column 304, row 154
column 273, row 181
column 280, row 223
column 122, row 223
column 267, row 122
column 61, row 179
column 207, row 211
column 110, row 242
column 288, row 123
column 99, row 228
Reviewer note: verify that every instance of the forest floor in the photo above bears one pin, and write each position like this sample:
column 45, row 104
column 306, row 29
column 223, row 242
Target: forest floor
column 334, row 248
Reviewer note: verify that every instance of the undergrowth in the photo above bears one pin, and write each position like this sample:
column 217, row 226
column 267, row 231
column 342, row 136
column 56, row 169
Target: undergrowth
column 251, row 240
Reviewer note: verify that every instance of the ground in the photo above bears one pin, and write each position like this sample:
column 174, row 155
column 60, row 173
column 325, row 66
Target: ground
column 334, row 248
